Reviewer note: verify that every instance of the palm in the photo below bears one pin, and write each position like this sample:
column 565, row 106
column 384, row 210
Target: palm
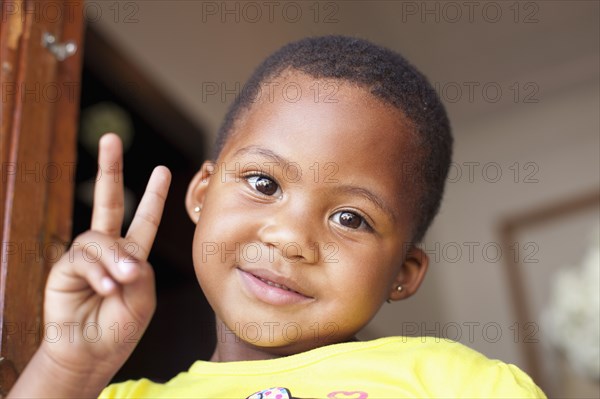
column 100, row 310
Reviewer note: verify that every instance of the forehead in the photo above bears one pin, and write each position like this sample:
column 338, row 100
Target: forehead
column 320, row 122
column 296, row 106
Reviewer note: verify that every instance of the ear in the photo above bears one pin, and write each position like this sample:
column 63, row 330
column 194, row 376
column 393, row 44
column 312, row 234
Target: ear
column 411, row 274
column 197, row 189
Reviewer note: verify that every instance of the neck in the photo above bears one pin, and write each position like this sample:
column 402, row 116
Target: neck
column 231, row 348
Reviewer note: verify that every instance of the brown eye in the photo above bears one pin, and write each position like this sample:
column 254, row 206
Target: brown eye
column 350, row 220
column 263, row 184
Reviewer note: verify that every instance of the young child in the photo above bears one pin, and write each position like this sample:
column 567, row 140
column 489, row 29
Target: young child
column 329, row 167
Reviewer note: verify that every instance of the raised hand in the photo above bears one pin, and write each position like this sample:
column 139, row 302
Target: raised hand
column 100, row 295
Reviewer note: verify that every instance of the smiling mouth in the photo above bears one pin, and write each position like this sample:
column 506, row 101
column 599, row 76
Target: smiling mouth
column 272, row 284
column 260, row 284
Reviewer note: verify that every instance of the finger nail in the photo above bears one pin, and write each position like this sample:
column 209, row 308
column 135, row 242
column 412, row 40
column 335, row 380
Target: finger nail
column 107, row 284
column 126, row 267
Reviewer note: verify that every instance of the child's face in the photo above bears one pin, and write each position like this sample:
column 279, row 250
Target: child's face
column 329, row 218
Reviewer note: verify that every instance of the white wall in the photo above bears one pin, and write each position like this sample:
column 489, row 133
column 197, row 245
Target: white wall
column 185, row 47
column 560, row 135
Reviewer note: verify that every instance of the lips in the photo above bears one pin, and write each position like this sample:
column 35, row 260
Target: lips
column 272, row 288
column 272, row 284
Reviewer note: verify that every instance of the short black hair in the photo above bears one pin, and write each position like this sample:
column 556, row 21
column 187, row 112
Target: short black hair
column 388, row 76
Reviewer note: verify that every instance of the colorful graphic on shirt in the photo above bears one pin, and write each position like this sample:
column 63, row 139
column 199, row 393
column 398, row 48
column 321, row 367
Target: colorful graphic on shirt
column 272, row 393
column 284, row 393
column 348, row 395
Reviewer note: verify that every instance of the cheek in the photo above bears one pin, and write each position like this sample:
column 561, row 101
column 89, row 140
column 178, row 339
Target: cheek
column 224, row 219
column 362, row 278
column 225, row 223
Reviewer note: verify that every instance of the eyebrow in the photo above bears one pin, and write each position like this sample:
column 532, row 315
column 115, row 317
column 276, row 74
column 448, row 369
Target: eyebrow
column 368, row 195
column 349, row 189
column 256, row 150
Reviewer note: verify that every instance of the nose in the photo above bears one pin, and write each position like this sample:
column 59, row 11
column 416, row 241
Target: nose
column 291, row 229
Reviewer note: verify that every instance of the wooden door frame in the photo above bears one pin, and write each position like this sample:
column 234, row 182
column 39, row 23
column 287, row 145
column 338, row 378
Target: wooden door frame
column 39, row 113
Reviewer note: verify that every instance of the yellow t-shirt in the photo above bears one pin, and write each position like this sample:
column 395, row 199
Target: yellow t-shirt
column 393, row 367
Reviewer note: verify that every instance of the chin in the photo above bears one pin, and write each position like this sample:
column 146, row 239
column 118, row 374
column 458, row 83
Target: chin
column 303, row 344
column 279, row 349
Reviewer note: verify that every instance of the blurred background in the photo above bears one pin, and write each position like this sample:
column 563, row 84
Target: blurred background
column 514, row 250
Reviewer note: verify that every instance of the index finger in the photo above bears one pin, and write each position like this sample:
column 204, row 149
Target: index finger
column 142, row 230
column 108, row 209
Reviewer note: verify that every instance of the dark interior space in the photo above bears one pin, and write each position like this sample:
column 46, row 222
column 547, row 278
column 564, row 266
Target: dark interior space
column 182, row 329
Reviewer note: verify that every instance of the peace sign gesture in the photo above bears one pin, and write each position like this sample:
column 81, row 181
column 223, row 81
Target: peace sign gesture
column 100, row 295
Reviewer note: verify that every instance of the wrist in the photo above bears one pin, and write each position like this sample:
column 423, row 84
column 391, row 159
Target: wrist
column 46, row 376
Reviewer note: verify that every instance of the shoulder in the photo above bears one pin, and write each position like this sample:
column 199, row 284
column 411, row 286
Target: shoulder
column 143, row 388
column 446, row 368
